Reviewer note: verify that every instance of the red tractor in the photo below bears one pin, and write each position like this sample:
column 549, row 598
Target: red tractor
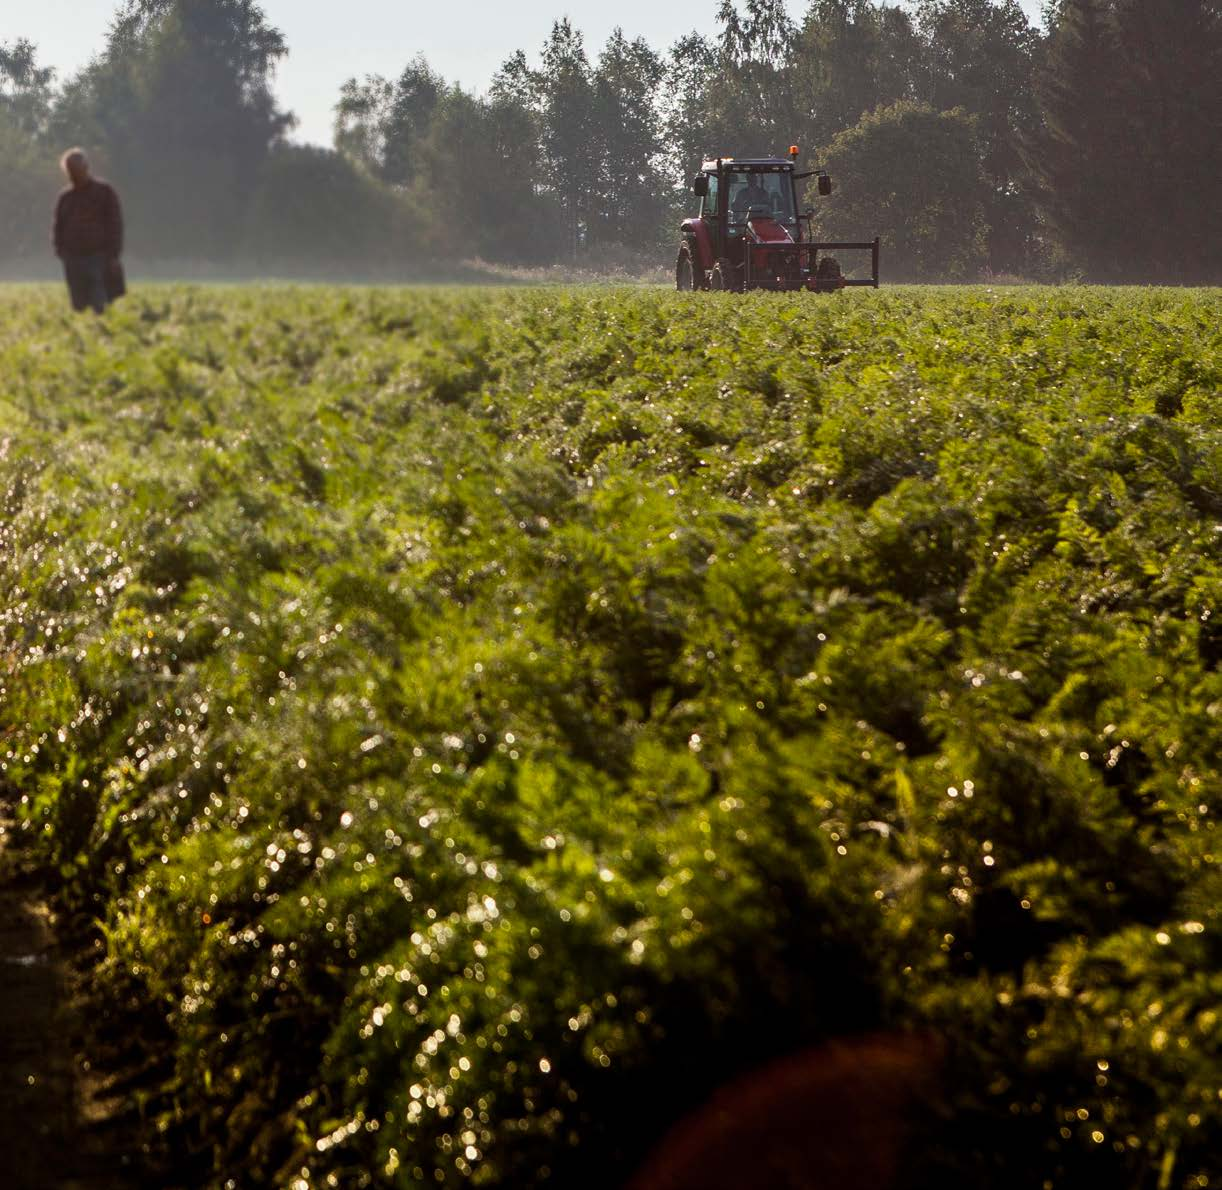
column 748, row 234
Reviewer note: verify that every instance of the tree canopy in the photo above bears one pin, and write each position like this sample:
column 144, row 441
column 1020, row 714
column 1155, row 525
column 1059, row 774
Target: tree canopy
column 1090, row 147
column 916, row 172
column 1128, row 158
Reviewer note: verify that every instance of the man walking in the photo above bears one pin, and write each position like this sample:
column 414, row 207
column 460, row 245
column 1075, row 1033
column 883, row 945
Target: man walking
column 88, row 236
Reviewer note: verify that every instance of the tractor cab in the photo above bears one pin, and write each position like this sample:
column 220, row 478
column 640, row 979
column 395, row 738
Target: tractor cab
column 748, row 234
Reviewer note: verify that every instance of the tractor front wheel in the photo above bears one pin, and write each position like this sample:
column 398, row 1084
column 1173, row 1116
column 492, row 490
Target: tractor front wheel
column 685, row 275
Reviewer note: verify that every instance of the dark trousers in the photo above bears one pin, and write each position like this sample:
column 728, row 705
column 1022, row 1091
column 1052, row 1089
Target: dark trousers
column 86, row 276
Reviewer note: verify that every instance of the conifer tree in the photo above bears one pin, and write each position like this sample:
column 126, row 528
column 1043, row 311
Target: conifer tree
column 1171, row 76
column 1130, row 156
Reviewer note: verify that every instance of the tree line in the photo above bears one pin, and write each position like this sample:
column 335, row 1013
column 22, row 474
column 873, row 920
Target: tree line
column 973, row 142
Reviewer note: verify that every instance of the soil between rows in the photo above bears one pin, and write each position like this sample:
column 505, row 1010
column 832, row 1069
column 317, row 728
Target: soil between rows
column 63, row 1126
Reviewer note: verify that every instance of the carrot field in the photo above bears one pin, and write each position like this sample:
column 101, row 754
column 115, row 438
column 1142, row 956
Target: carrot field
column 477, row 724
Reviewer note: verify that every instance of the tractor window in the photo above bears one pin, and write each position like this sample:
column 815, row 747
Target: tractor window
column 709, row 206
column 773, row 190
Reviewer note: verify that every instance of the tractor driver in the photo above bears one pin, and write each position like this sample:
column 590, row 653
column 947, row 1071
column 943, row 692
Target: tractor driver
column 753, row 194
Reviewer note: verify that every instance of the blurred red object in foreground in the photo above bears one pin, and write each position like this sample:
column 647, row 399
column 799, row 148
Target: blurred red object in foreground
column 836, row 1117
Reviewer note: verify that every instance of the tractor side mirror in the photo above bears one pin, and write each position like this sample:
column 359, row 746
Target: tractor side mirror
column 825, row 184
column 700, row 185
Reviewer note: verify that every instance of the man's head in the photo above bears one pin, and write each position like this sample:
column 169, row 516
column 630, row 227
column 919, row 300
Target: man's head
column 75, row 165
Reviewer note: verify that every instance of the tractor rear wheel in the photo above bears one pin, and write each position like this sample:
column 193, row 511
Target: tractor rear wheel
column 685, row 275
column 722, row 276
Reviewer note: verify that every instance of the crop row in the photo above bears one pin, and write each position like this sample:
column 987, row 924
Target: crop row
column 483, row 722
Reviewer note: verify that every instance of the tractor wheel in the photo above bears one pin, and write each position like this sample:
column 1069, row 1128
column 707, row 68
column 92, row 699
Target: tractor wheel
column 722, row 276
column 828, row 275
column 685, row 275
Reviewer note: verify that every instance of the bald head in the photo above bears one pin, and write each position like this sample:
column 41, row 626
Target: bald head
column 76, row 165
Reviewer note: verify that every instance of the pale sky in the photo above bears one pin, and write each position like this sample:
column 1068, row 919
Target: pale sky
column 332, row 40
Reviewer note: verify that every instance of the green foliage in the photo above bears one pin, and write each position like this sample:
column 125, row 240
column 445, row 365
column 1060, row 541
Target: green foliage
column 314, row 209
column 852, row 56
column 184, row 166
column 912, row 175
column 26, row 88
column 482, row 722
column 28, row 178
column 475, row 180
column 595, row 142
column 25, row 183
column 378, row 124
column 982, row 56
column 1128, row 159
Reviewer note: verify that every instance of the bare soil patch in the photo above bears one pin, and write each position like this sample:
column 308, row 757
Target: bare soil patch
column 62, row 1125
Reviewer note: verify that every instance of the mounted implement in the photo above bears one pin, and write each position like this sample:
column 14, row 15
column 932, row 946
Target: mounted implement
column 748, row 234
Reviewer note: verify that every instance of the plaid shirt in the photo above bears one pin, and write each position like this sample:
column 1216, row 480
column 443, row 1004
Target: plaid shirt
column 88, row 221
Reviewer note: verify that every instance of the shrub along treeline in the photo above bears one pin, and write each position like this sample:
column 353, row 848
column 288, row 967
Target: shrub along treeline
column 483, row 724
column 970, row 140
